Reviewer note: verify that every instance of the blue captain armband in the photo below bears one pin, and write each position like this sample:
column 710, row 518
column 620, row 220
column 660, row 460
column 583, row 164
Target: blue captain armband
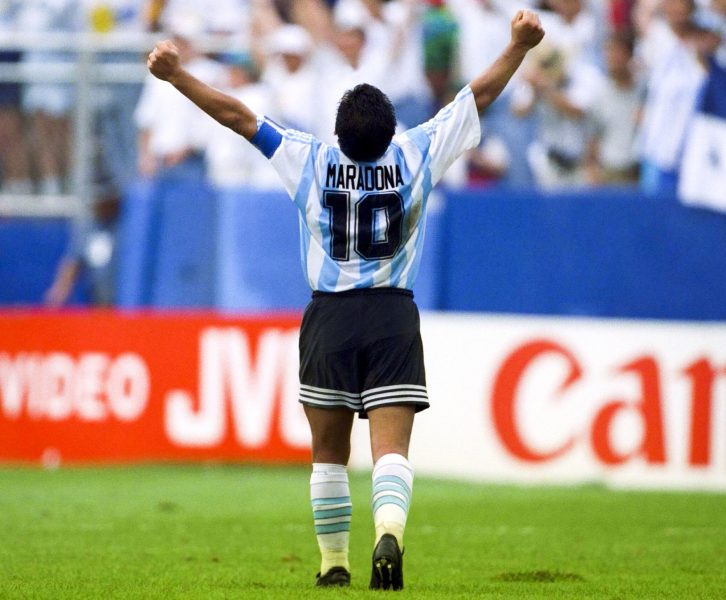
column 268, row 137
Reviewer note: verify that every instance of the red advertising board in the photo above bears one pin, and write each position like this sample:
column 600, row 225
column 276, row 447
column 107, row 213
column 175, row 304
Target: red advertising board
column 114, row 387
column 520, row 399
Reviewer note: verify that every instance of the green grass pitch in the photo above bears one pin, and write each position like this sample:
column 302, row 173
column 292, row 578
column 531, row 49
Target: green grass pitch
column 246, row 532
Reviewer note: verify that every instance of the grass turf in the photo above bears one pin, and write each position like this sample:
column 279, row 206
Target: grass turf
column 244, row 532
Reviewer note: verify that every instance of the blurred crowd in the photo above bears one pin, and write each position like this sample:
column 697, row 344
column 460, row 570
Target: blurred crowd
column 605, row 99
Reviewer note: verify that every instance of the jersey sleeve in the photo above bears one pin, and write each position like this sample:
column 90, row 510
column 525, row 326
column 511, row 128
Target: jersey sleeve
column 289, row 152
column 454, row 130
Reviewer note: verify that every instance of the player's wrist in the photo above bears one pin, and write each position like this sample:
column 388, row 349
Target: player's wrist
column 175, row 77
column 518, row 47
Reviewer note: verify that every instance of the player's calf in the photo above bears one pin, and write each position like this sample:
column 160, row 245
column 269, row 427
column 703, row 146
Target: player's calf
column 332, row 511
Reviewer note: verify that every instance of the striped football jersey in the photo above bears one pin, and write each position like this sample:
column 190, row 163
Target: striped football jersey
column 362, row 223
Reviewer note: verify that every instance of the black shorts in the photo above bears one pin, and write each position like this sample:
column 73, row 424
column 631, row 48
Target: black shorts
column 361, row 350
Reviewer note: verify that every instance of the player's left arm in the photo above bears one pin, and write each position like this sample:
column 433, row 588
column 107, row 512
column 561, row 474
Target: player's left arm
column 527, row 32
column 164, row 63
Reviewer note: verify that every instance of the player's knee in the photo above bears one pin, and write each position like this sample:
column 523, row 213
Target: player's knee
column 331, row 454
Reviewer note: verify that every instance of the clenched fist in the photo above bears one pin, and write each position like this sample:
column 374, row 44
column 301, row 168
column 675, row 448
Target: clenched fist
column 164, row 60
column 526, row 29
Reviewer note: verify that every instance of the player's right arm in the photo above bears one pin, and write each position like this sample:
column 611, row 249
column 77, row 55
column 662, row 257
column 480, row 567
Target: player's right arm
column 527, row 32
column 164, row 63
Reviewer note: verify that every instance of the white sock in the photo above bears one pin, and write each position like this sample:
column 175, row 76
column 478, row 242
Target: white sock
column 332, row 510
column 392, row 487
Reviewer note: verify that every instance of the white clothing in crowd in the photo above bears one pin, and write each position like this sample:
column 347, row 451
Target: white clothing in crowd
column 40, row 16
column 215, row 16
column 334, row 76
column 231, row 160
column 9, row 11
column 673, row 86
column 293, row 93
column 556, row 153
column 396, row 42
column 173, row 122
column 483, row 34
column 658, row 40
column 577, row 39
column 614, row 118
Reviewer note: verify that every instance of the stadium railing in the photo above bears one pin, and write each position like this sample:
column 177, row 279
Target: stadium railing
column 85, row 72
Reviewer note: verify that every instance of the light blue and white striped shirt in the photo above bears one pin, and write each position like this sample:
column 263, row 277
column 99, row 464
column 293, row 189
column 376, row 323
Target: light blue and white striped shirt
column 362, row 224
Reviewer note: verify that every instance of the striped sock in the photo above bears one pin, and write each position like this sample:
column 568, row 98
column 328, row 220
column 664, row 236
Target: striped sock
column 332, row 510
column 392, row 487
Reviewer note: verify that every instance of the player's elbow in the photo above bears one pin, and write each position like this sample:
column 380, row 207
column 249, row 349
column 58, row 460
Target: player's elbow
column 241, row 123
column 483, row 100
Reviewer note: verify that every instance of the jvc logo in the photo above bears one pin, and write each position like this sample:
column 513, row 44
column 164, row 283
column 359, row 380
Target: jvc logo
column 256, row 394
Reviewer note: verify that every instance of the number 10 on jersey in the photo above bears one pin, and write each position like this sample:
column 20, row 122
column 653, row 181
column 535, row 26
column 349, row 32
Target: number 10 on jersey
column 376, row 222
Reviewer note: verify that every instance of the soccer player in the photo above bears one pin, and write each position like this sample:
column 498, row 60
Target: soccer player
column 362, row 209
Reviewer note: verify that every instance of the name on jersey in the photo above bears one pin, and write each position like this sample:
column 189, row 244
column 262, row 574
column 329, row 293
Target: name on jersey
column 368, row 178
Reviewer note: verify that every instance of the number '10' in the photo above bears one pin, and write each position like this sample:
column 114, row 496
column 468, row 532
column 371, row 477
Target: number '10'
column 369, row 211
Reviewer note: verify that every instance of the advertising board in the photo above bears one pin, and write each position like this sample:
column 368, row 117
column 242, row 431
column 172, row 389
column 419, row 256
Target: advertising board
column 514, row 399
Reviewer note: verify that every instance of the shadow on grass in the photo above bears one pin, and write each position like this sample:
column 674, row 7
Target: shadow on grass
column 538, row 577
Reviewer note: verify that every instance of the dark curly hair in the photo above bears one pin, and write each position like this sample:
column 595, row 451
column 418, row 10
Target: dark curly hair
column 365, row 123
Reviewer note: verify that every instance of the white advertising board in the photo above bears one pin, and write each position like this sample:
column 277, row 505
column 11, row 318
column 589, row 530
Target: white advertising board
column 571, row 400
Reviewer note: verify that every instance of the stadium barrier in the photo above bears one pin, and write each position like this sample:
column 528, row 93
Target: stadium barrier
column 599, row 252
column 514, row 399
column 183, row 244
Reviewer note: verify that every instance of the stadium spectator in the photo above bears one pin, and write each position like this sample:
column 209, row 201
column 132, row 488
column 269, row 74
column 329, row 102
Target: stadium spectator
column 713, row 18
column 718, row 7
column 232, row 162
column 360, row 343
column 170, row 130
column 488, row 163
column 482, row 34
column 560, row 93
column 14, row 160
column 226, row 17
column 113, row 103
column 612, row 155
column 440, row 39
column 152, row 13
column 573, row 30
column 673, row 48
column 620, row 14
column 291, row 75
column 49, row 105
column 395, row 34
column 358, row 41
column 90, row 253
column 340, row 58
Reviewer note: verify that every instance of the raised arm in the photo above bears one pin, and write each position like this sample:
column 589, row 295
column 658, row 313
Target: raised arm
column 164, row 64
column 527, row 32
